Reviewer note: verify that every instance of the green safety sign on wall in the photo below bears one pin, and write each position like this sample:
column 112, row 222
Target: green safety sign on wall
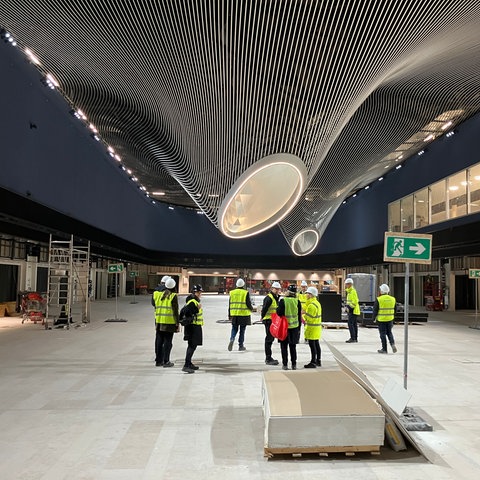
column 407, row 247
column 473, row 273
column 115, row 268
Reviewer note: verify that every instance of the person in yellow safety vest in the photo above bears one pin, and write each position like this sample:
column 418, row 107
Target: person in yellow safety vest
column 270, row 304
column 353, row 308
column 384, row 315
column 166, row 323
column 291, row 308
column 193, row 333
column 239, row 310
column 302, row 296
column 313, row 327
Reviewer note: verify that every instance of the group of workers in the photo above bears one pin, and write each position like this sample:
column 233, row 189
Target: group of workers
column 299, row 308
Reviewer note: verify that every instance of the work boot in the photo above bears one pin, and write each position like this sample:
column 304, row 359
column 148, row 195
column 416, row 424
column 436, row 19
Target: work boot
column 230, row 345
column 382, row 351
column 271, row 361
column 394, row 348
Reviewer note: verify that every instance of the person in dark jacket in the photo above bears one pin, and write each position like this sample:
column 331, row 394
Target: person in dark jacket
column 193, row 333
column 291, row 308
column 166, row 323
column 270, row 304
column 239, row 310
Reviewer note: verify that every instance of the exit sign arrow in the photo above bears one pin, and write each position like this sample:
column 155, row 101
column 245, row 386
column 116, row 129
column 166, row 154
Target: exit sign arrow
column 418, row 248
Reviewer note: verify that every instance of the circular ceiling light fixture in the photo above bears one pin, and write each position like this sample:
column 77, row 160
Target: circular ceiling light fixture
column 305, row 242
column 262, row 196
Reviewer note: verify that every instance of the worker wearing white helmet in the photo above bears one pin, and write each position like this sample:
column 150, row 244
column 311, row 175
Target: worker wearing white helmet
column 239, row 310
column 270, row 304
column 302, row 296
column 313, row 327
column 302, row 293
column 384, row 315
column 353, row 308
column 166, row 322
column 160, row 287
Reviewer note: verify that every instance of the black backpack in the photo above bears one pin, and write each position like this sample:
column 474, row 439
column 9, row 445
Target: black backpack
column 185, row 317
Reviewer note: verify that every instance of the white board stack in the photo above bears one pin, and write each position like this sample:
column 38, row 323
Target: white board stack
column 319, row 411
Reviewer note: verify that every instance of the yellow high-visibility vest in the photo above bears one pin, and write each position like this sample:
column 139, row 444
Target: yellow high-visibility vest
column 163, row 308
column 238, row 305
column 386, row 311
column 272, row 308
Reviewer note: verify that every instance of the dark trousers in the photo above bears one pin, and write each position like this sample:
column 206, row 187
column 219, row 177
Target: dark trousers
column 385, row 331
column 190, row 351
column 353, row 326
column 241, row 337
column 268, row 340
column 163, row 346
column 315, row 350
column 284, row 347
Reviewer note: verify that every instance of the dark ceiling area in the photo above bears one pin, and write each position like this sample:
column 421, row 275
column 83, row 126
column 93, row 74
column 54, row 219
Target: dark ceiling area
column 263, row 117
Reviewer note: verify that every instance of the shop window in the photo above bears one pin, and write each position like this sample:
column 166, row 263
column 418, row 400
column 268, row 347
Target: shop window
column 438, row 197
column 421, row 208
column 457, row 192
column 474, row 188
column 394, row 217
column 406, row 210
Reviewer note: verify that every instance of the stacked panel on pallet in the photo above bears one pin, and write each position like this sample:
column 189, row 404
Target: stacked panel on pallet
column 319, row 411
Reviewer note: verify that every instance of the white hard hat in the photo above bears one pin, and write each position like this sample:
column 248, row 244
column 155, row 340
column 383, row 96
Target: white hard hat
column 170, row 283
column 312, row 291
column 304, row 283
column 165, row 278
column 276, row 285
column 384, row 288
column 240, row 283
column 349, row 280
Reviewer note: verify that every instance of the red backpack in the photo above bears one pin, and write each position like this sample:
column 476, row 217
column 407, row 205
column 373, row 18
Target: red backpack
column 279, row 326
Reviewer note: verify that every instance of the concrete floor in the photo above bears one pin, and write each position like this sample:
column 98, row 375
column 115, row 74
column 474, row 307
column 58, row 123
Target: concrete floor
column 88, row 403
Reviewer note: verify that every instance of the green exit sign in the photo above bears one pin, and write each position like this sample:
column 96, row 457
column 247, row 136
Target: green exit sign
column 473, row 273
column 407, row 247
column 132, row 273
column 115, row 268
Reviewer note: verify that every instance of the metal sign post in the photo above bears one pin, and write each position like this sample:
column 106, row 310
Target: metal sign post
column 475, row 274
column 408, row 248
column 405, row 324
column 133, row 274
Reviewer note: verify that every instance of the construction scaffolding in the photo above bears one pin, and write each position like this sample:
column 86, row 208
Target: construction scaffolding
column 68, row 298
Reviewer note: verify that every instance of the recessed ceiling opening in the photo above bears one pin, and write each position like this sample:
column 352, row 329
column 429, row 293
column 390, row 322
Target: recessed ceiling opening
column 262, row 196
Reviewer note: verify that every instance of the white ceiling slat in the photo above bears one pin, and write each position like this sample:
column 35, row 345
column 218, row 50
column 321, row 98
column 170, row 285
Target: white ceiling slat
column 192, row 94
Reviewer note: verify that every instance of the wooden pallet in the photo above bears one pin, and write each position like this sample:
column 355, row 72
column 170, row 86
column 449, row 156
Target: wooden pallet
column 322, row 451
column 336, row 325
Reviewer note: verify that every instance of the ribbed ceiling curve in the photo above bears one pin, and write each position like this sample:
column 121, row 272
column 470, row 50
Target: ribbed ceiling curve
column 192, row 94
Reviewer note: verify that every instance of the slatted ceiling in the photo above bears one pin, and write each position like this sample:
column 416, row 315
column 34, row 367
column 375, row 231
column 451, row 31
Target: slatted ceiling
column 191, row 94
